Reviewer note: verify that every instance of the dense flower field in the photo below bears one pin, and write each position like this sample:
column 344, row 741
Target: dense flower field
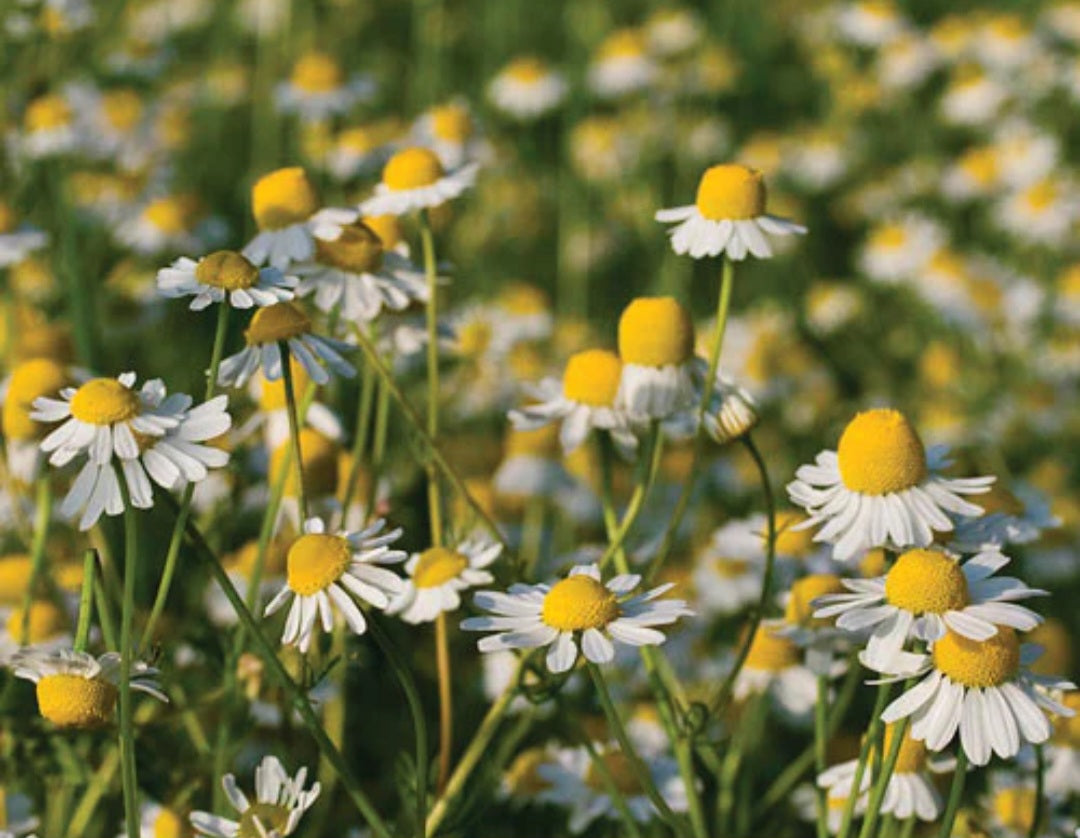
column 482, row 419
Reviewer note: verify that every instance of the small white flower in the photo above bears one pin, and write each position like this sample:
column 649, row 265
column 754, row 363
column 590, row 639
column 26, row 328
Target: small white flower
column 415, row 179
column 527, row 89
column 224, row 275
column 622, row 65
column 317, row 89
column 438, row 575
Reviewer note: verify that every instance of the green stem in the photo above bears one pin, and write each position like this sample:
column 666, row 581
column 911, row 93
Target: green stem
column 127, row 727
column 821, row 737
column 42, row 517
column 105, row 620
column 909, row 827
column 427, row 239
column 1040, row 794
column 611, row 787
column 881, row 781
column 956, row 793
column 294, row 428
column 864, row 754
column 446, row 699
column 360, row 439
column 615, row 549
column 220, row 332
column 86, row 600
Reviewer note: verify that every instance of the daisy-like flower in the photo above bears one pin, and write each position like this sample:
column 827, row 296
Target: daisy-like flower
column 727, row 218
column 44, row 626
column 77, row 690
column 727, row 572
column 223, row 275
column 530, row 467
column 672, row 32
column 972, row 98
column 354, row 271
column 156, row 821
column 172, row 223
column 286, row 210
column 656, row 344
column 318, row 89
column 527, row 89
column 359, row 150
column 284, row 322
column 870, row 23
column 622, row 65
column 325, row 571
column 983, row 689
column 28, row 381
column 16, row 243
column 450, row 131
column 577, row 609
column 439, row 575
column 280, row 802
column 1044, row 213
column 1018, row 517
column 774, row 667
column 584, row 400
column 899, row 250
column 1063, row 751
column 414, row 179
column 48, row 127
column 924, row 594
column 881, row 488
column 731, row 411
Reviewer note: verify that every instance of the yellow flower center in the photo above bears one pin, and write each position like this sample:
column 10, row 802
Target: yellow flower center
column 386, row 227
column 731, row 191
column 412, row 168
column 578, row 603
column 315, row 561
column 541, row 442
column 656, row 332
column 272, row 393
column 880, row 452
column 592, row 377
column 926, row 582
column 359, row 140
column 226, row 269
column 451, row 123
column 1041, row 196
column 73, row 701
column 524, row 299
column 1015, row 808
column 104, row 401
column 283, row 198
column 316, row 72
column 48, row 113
column 169, row 824
column 625, row 43
column 437, row 566
column 169, row 215
column 31, row 379
column 47, row 622
column 799, row 610
column 122, row 109
column 620, row 771
column 1067, row 728
column 527, row 70
column 790, row 541
column 981, row 165
column 320, row 464
column 771, row 652
column 14, row 577
column 358, row 250
column 730, row 568
column 523, row 777
column 281, row 321
column 979, row 664
column 261, row 819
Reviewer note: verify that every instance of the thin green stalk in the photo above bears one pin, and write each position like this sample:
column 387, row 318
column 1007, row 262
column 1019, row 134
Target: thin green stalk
column 427, row 239
column 42, row 516
column 360, row 438
column 611, row 787
column 956, row 793
column 86, row 600
column 105, row 620
column 1040, row 792
column 127, row 727
column 446, row 699
column 294, row 427
column 864, row 753
column 909, row 827
column 378, row 449
column 637, row 498
column 821, row 736
column 890, row 826
column 881, row 780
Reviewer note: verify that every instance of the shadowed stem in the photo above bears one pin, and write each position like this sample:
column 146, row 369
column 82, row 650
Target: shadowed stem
column 294, row 428
column 127, row 727
column 1040, row 796
column 864, row 754
column 956, row 793
column 821, row 738
column 615, row 549
column 881, row 782
column 86, row 600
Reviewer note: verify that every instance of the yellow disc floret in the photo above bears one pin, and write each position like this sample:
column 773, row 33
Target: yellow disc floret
column 526, row 70
column 46, row 622
column 315, row 561
column 656, row 332
column 1015, row 807
column 926, row 582
column 358, row 249
column 226, row 269
column 168, row 824
column 771, row 652
column 122, row 109
column 799, row 610
column 74, row 701
column 578, row 603
column 283, row 198
column 15, row 572
column 978, row 664
column 731, row 192
column 104, row 401
column 880, row 452
column 29, row 380
column 47, row 113
column 387, row 228
column 592, row 377
column 437, row 566
column 412, row 168
column 912, row 755
column 272, row 393
column 451, row 123
column 281, row 321
column 171, row 214
column 316, row 72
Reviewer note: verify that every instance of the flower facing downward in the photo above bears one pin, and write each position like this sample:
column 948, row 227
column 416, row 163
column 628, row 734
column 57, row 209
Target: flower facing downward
column 224, row 274
column 439, row 574
column 579, row 608
column 414, row 179
column 656, row 343
column 728, row 216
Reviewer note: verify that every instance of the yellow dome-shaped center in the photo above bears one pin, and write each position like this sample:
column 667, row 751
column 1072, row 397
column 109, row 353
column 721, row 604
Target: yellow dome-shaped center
column 912, row 756
column 926, row 582
column 387, row 228
column 1015, row 808
column 656, row 332
column 799, row 610
column 104, row 401
column 880, row 452
column 30, row 379
column 47, row 113
column 73, row 701
column 168, row 824
column 978, row 664
column 437, row 566
column 261, row 819
column 412, row 168
column 771, row 652
column 578, row 603
column 47, row 622
column 122, row 109
column 592, row 377
column 281, row 321
column 316, row 72
column 170, row 215
column 731, row 192
column 226, row 269
column 358, row 250
column 729, row 568
column 451, row 123
column 315, row 561
column 526, row 70
column 790, row 541
column 15, row 571
column 283, row 198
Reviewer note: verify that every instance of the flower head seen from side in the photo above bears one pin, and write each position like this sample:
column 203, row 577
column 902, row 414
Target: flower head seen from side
column 527, row 89
column 318, row 89
column 438, row 575
column 49, row 127
column 284, row 323
column 415, row 179
column 583, row 401
column 17, row 242
column 881, row 488
column 325, row 571
column 224, row 275
column 27, row 382
column 774, row 667
column 983, row 689
column 656, row 344
column 727, row 218
column 580, row 609
column 280, row 801
column 77, row 690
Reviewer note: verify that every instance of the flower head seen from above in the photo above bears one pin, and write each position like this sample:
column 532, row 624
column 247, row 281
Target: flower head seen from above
column 77, row 690
column 284, row 323
column 881, row 488
column 325, row 571
column 414, row 179
column 527, row 89
column 728, row 217
column 578, row 609
column 438, row 575
column 318, row 89
column 656, row 344
column 280, row 802
column 223, row 275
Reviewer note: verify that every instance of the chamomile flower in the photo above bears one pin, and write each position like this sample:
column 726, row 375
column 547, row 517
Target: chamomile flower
column 898, row 250
column 317, row 89
column 656, row 344
column 284, row 322
column 169, row 224
column 728, row 217
column 972, row 98
column 28, row 381
column 224, row 274
column 1063, row 750
column 622, row 65
column 356, row 273
column 438, row 575
column 1018, row 517
column 881, row 488
column 156, row 821
column 1044, row 213
column 924, row 594
column 415, row 179
column 450, row 131
column 583, row 401
column 49, row 127
column 774, row 667
column 870, row 23
column 280, row 802
column 527, row 89
column 728, row 570
column 324, row 572
column 983, row 689
column 672, row 32
column 731, row 411
column 77, row 690
column 577, row 609
column 530, row 466
column 17, row 242
column 907, row 61
column 44, row 626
